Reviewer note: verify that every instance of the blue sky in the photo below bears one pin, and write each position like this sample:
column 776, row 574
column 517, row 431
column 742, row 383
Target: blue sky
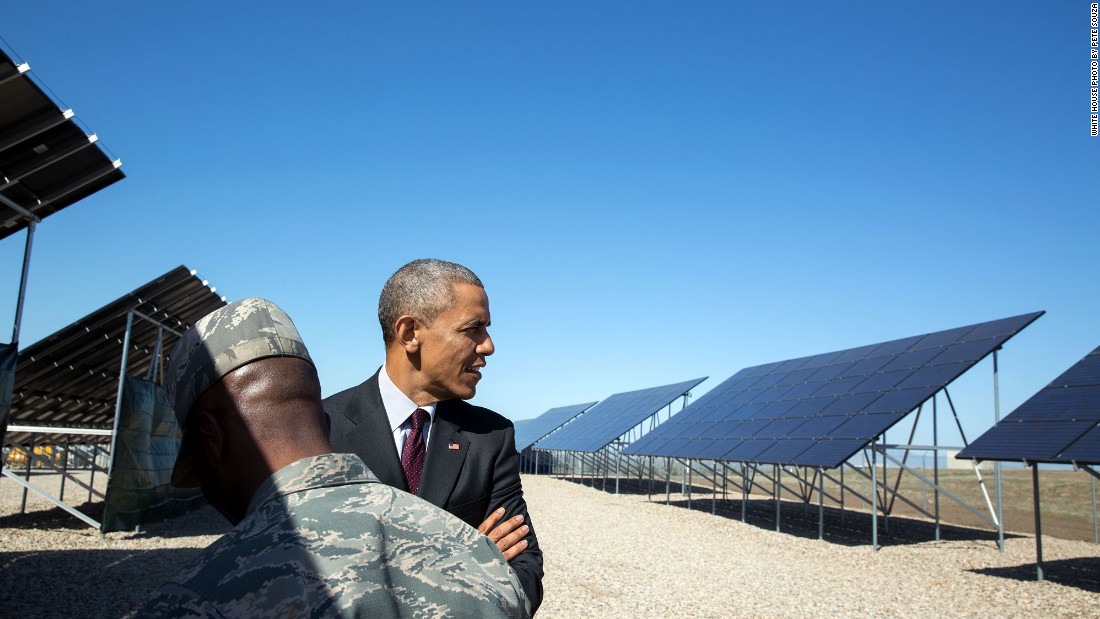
column 651, row 191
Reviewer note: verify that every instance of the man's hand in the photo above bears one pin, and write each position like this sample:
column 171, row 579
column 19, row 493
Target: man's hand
column 508, row 535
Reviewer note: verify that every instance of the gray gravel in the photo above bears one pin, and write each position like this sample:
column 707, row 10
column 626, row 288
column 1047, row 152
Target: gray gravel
column 607, row 556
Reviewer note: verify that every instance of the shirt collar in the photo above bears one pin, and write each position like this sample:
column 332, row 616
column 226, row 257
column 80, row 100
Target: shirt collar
column 398, row 405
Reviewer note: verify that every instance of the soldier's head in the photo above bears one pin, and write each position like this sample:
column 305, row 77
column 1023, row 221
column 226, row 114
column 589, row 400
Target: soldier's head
column 247, row 399
column 434, row 316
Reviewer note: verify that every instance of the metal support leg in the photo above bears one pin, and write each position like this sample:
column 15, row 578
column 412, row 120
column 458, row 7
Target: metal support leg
column 121, row 386
column 744, row 490
column 936, row 462
column 690, row 470
column 65, row 468
column 1095, row 522
column 842, row 520
column 31, row 224
column 1038, row 523
column 778, row 489
column 30, row 461
column 91, row 481
column 997, row 465
column 714, row 495
column 668, row 480
column 874, row 499
column 820, row 504
column 618, row 460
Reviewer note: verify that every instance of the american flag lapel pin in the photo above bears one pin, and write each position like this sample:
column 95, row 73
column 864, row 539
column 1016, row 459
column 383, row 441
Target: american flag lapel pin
column 453, row 446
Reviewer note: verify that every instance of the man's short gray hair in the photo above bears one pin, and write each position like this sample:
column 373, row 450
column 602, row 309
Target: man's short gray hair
column 422, row 289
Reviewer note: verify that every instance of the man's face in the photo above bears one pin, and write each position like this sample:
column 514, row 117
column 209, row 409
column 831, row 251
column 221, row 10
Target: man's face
column 454, row 347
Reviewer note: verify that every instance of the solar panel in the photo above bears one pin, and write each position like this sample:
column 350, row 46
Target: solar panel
column 826, row 406
column 535, row 429
column 49, row 162
column 614, row 417
column 70, row 378
column 1057, row 425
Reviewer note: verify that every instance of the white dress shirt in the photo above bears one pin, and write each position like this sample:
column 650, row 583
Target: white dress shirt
column 399, row 408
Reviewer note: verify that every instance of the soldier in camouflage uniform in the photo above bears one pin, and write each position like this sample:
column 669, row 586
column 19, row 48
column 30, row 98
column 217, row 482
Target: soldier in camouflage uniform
column 316, row 533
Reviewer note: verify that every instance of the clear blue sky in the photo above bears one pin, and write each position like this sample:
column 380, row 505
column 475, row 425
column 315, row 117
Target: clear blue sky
column 651, row 191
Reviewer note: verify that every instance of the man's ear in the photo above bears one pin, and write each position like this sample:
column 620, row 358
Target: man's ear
column 405, row 334
column 210, row 435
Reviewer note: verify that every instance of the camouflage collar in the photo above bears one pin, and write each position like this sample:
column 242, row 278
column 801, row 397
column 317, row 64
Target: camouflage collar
column 312, row 472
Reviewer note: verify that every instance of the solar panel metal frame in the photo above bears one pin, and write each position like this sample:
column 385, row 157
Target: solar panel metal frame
column 545, row 424
column 614, row 416
column 868, row 388
column 48, row 162
column 70, row 378
column 1056, row 425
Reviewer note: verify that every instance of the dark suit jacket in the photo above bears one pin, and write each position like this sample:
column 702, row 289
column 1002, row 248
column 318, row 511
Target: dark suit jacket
column 471, row 481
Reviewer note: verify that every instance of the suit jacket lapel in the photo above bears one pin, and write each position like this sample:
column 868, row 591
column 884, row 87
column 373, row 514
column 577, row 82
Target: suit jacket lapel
column 371, row 429
column 447, row 449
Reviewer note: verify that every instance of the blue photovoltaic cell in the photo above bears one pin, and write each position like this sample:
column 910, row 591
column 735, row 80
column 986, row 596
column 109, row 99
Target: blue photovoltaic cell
column 834, row 402
column 1063, row 404
column 880, row 382
column 850, row 404
column 748, row 450
column 865, row 367
column 614, row 417
column 658, row 446
column 802, row 391
column 911, row 360
column 532, row 430
column 1056, row 425
column 900, row 400
column 894, row 348
column 716, row 448
column 963, row 352
column 855, row 354
column 829, row 450
column 783, row 452
column 809, row 407
column 866, row 426
column 781, row 428
column 942, row 338
column 1018, row 441
column 1084, row 449
column 817, row 427
column 827, row 372
column 1085, row 373
column 994, row 328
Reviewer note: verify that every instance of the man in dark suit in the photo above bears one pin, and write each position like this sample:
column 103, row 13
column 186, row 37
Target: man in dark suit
column 411, row 416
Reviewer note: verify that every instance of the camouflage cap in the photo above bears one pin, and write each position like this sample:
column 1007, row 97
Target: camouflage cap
column 220, row 342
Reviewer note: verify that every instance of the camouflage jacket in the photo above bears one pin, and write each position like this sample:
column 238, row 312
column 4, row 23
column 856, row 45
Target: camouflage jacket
column 324, row 538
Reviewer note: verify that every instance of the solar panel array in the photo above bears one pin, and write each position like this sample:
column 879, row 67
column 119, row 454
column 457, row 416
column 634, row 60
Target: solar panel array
column 614, row 417
column 535, row 429
column 1058, row 424
column 820, row 410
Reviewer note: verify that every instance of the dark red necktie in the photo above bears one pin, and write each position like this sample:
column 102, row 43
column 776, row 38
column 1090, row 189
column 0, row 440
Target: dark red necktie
column 412, row 455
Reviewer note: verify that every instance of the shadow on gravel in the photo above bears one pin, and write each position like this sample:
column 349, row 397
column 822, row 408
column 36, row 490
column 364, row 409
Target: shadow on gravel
column 1080, row 573
column 844, row 527
column 203, row 521
column 111, row 582
column 54, row 518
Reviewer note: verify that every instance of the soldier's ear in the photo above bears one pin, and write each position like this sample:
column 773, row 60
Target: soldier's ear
column 210, row 436
column 405, row 334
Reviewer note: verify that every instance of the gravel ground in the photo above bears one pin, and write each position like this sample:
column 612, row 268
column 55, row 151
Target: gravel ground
column 613, row 556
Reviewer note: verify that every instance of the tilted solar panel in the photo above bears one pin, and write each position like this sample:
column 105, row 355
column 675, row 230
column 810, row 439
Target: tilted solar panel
column 1056, row 425
column 535, row 429
column 614, row 417
column 820, row 410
